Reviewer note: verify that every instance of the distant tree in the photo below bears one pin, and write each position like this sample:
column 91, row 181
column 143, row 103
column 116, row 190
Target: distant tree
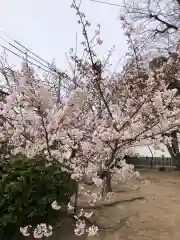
column 156, row 22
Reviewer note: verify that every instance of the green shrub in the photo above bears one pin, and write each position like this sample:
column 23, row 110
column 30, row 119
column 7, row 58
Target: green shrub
column 27, row 189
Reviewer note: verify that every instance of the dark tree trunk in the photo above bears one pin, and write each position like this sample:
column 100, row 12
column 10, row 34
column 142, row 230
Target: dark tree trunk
column 76, row 198
column 108, row 182
column 107, row 187
column 173, row 149
column 176, row 162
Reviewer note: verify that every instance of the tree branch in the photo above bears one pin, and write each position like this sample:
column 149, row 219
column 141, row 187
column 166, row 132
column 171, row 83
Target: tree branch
column 168, row 25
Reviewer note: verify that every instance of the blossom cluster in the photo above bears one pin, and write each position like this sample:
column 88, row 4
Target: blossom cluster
column 39, row 231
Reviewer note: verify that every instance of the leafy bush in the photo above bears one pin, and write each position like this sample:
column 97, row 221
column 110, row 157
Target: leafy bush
column 27, row 189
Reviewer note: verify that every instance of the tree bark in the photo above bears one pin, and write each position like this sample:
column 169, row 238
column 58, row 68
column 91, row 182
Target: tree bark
column 173, row 149
column 107, row 186
column 76, row 198
column 108, row 182
column 176, row 161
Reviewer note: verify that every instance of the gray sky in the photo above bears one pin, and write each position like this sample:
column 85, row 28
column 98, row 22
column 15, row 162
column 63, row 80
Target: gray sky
column 49, row 27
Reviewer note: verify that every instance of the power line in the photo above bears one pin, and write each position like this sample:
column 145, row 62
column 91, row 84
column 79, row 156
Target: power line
column 25, row 48
column 48, row 69
column 25, row 52
column 107, row 3
column 21, row 51
column 23, row 58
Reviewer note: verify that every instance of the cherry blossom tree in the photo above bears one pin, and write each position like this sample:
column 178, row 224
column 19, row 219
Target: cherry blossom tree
column 156, row 23
column 128, row 88
column 140, row 62
column 96, row 122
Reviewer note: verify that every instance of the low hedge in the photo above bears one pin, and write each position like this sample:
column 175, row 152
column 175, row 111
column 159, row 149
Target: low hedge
column 27, row 189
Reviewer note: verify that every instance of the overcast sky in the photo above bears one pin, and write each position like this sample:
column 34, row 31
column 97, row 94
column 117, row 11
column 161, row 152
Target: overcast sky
column 49, row 29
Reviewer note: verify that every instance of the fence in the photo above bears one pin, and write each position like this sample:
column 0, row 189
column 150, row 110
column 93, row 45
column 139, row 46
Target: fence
column 149, row 162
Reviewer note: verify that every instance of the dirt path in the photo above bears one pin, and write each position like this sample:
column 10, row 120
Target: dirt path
column 154, row 218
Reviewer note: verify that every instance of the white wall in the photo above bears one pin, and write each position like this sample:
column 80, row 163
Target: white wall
column 144, row 151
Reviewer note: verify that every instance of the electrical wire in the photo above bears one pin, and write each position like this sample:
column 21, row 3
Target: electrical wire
column 25, row 52
column 25, row 48
column 107, row 3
